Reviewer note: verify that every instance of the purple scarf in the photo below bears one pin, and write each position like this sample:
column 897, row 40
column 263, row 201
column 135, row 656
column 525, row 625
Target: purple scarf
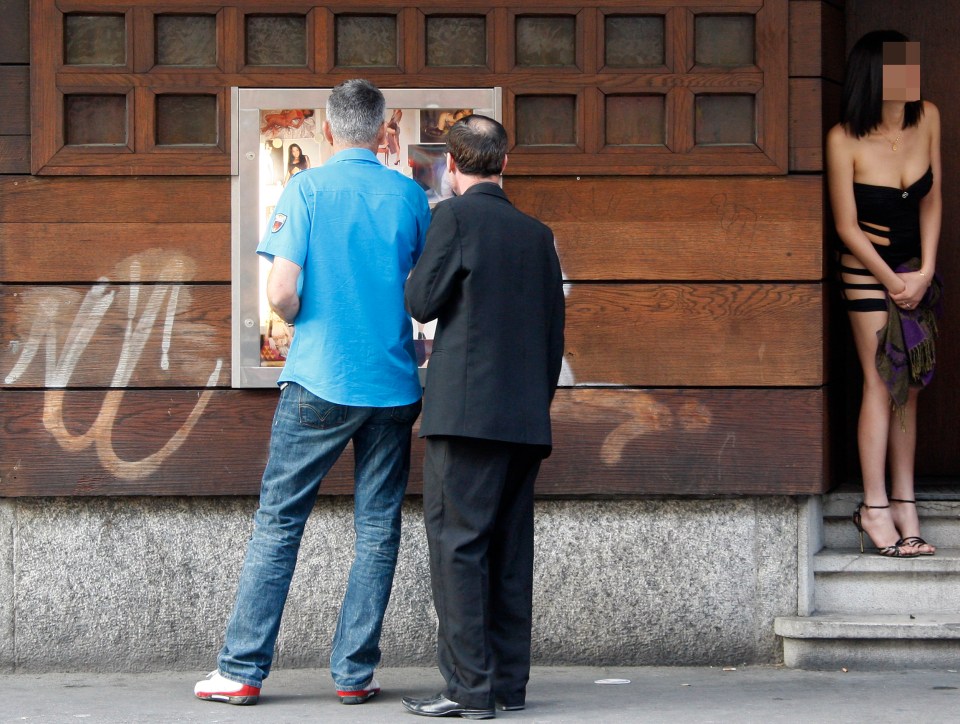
column 906, row 349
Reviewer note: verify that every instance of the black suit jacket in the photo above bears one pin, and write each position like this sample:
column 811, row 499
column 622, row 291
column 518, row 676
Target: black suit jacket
column 490, row 276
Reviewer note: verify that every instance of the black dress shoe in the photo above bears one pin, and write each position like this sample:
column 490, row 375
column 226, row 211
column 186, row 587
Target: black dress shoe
column 440, row 705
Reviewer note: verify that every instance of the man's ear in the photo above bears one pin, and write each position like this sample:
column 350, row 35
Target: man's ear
column 451, row 164
column 327, row 133
column 382, row 134
column 504, row 167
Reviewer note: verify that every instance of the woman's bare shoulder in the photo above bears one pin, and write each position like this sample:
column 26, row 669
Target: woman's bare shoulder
column 931, row 115
column 839, row 140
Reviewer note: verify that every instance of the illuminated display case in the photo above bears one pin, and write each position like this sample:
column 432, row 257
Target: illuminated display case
column 277, row 134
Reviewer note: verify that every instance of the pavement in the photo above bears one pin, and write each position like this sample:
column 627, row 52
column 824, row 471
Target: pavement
column 674, row 695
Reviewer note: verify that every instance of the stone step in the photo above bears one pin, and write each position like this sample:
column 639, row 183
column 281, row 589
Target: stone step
column 842, row 505
column 841, row 533
column 861, row 641
column 939, row 519
column 847, row 581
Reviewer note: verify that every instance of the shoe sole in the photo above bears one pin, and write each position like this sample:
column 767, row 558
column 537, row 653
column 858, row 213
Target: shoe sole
column 353, row 698
column 227, row 699
column 462, row 713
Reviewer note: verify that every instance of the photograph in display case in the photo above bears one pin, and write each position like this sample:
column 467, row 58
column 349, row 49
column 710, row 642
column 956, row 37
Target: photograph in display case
column 436, row 122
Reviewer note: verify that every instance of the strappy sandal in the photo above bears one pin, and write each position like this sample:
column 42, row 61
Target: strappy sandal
column 894, row 551
column 914, row 541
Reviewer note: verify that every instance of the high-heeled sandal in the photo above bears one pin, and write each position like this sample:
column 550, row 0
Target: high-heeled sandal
column 914, row 541
column 894, row 551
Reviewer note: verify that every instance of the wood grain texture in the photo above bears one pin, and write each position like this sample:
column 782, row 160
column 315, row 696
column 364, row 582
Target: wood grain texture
column 94, row 200
column 635, row 442
column 14, row 99
column 692, row 228
column 696, row 228
column 15, row 32
column 806, row 124
column 696, row 334
column 765, row 335
column 109, row 335
column 15, row 154
column 816, row 40
column 85, row 252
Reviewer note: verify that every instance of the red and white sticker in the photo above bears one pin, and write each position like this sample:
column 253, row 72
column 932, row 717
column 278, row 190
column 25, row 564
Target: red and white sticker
column 278, row 221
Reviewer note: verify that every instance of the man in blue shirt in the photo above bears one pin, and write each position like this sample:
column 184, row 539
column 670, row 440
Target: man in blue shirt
column 342, row 240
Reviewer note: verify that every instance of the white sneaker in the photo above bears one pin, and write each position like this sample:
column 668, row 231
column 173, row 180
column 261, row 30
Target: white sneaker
column 219, row 688
column 358, row 696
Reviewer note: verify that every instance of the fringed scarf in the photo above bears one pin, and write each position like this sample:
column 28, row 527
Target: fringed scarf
column 906, row 349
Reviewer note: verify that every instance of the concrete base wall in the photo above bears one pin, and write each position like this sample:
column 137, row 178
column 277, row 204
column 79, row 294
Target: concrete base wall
column 141, row 584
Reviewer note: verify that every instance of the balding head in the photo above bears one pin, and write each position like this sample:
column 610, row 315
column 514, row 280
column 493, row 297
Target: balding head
column 478, row 146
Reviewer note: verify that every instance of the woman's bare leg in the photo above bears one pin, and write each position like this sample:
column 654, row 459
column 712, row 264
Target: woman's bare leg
column 902, row 454
column 872, row 431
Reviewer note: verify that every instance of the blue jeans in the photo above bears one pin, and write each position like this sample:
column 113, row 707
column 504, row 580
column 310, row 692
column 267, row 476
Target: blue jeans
column 308, row 436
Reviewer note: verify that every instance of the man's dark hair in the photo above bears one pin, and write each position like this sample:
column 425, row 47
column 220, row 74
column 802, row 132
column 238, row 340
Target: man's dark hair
column 478, row 145
column 861, row 107
column 355, row 111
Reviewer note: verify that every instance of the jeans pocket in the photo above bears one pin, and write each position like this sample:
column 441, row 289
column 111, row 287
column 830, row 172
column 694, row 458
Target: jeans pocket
column 406, row 414
column 320, row 413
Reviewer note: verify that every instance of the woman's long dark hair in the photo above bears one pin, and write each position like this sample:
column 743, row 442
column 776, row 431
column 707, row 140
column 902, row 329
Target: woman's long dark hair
column 860, row 109
column 301, row 161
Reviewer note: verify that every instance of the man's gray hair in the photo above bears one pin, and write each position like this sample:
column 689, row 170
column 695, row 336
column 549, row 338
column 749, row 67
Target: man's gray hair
column 355, row 111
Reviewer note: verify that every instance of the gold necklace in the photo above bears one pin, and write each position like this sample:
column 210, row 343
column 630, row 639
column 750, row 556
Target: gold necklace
column 896, row 142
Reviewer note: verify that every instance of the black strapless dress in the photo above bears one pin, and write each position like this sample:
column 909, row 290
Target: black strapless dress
column 899, row 211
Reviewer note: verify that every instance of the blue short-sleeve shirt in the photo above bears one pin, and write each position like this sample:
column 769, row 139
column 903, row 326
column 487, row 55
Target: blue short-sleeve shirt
column 356, row 228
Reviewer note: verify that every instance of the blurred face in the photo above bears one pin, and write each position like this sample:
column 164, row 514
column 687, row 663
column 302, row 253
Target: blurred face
column 901, row 72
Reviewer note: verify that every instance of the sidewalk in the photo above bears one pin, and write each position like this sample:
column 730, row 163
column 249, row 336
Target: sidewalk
column 555, row 694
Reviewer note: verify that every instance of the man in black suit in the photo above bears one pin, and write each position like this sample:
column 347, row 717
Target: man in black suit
column 490, row 276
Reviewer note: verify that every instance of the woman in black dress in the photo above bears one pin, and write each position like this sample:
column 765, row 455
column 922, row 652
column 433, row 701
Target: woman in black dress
column 883, row 165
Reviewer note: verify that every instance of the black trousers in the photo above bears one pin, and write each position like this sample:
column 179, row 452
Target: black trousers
column 478, row 509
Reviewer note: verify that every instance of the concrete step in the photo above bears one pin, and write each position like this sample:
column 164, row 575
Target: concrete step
column 862, row 641
column 850, row 582
column 939, row 519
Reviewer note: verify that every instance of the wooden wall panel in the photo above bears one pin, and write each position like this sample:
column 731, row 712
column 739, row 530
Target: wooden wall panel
column 14, row 154
column 117, row 250
column 158, row 335
column 609, row 228
column 696, row 335
column 652, row 334
column 93, row 200
column 816, row 70
column 816, row 40
column 15, row 32
column 686, row 442
column 14, row 100
column 680, row 229
column 612, row 441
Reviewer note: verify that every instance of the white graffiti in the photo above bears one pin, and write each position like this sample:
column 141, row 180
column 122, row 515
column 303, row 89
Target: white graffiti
column 60, row 367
